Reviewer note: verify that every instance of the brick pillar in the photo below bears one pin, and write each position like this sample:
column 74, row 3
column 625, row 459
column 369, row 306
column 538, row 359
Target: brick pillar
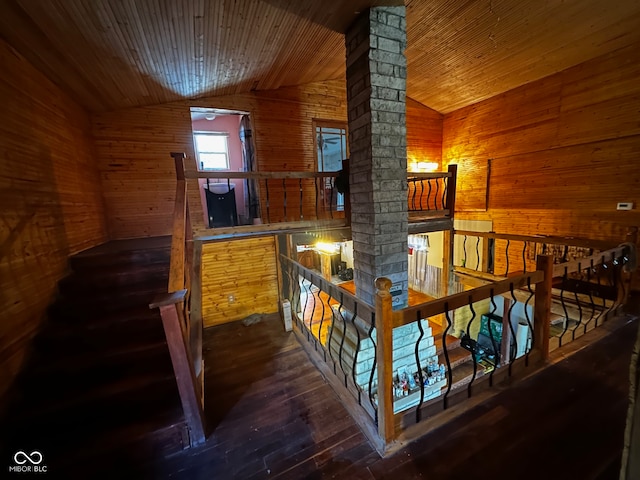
column 376, row 89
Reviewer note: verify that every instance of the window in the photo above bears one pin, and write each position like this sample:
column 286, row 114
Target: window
column 331, row 145
column 331, row 149
column 212, row 150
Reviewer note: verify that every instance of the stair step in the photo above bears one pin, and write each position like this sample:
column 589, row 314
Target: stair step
column 114, row 450
column 143, row 251
column 60, row 315
column 105, row 396
column 457, row 356
column 463, row 374
column 101, row 376
column 98, row 337
column 111, row 277
column 118, row 330
column 105, row 452
column 77, row 367
column 437, row 332
column 108, row 300
column 452, row 343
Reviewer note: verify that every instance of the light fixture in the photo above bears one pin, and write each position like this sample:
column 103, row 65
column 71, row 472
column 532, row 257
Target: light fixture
column 210, row 116
column 326, row 247
column 426, row 166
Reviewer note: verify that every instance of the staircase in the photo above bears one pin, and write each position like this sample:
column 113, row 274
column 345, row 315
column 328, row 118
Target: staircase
column 459, row 358
column 100, row 383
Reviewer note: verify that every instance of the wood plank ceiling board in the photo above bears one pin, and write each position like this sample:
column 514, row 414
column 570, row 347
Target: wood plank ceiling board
column 116, row 54
column 462, row 52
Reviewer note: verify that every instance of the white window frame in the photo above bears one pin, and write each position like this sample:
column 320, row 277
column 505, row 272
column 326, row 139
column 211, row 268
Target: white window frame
column 225, row 135
column 318, row 126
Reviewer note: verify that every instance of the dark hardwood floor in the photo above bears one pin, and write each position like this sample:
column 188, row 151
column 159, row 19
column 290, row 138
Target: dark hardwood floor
column 273, row 416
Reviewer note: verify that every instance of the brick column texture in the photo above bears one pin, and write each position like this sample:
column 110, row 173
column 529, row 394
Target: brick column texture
column 376, row 90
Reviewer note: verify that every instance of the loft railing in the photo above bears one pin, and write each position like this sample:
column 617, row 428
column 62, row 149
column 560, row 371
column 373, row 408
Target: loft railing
column 312, row 198
column 339, row 332
column 431, row 194
column 282, row 197
column 403, row 367
column 588, row 285
column 458, row 365
column 182, row 330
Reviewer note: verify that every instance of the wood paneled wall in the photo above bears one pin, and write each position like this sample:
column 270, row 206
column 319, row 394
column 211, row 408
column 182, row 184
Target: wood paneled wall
column 564, row 149
column 138, row 175
column 51, row 200
column 139, row 179
column 244, row 269
column 137, row 172
column 424, row 134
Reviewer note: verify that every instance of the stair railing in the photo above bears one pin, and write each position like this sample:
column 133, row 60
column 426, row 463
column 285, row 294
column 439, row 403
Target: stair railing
column 184, row 332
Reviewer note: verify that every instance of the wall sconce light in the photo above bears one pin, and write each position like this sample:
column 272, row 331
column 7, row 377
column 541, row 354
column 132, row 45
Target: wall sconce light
column 426, row 166
column 329, row 248
column 210, row 116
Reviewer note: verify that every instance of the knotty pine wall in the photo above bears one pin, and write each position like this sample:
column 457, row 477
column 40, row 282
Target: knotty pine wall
column 51, row 201
column 564, row 149
column 245, row 269
column 138, row 174
column 133, row 147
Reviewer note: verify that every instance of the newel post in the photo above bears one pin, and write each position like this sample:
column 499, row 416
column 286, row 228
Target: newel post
column 178, row 158
column 384, row 341
column 542, row 306
column 188, row 388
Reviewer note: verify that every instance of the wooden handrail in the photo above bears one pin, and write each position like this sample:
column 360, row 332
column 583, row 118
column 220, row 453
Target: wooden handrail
column 435, row 307
column 169, row 299
column 184, row 337
column 285, row 175
column 182, row 361
column 576, row 265
column 259, row 175
column 577, row 242
column 428, row 175
column 177, row 266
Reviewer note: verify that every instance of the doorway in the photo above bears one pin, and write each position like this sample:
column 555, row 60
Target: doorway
column 223, row 144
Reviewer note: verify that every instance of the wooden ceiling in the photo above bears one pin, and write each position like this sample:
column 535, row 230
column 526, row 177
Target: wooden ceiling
column 112, row 54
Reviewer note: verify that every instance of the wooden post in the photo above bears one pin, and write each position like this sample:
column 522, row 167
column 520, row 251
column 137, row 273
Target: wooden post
column 384, row 343
column 179, row 157
column 451, row 190
column 196, row 332
column 325, row 265
column 485, row 254
column 177, row 267
column 190, row 397
column 447, row 261
column 542, row 306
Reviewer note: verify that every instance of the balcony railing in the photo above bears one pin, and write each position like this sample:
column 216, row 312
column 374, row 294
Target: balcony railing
column 401, row 368
column 309, row 198
column 587, row 287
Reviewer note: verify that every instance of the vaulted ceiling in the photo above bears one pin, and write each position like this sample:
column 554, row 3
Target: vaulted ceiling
column 112, row 54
